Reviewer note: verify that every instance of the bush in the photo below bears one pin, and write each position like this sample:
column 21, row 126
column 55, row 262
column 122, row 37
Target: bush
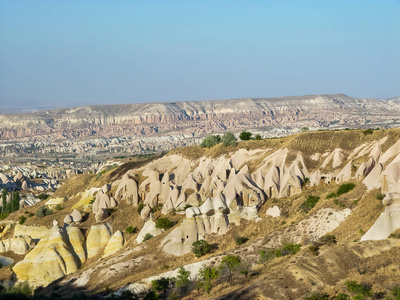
column 345, row 188
column 131, row 229
column 22, row 220
column 396, row 292
column 380, row 196
column 309, row 203
column 314, row 248
column 183, row 278
column 245, row 135
column 359, row 289
column 341, row 296
column 43, row 211
column 327, row 239
column 266, row 256
column 318, row 296
column 228, row 139
column 239, row 240
column 331, row 195
column 140, row 207
column 147, row 237
column 201, row 248
column 286, row 249
column 59, row 207
column 210, row 141
column 206, row 276
column 229, row 264
column 368, row 131
column 258, row 137
column 164, row 223
column 43, row 196
column 162, row 284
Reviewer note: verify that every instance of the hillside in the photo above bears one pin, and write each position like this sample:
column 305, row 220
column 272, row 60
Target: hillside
column 322, row 204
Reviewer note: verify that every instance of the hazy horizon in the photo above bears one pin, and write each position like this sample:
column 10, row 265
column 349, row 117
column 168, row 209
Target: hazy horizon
column 67, row 54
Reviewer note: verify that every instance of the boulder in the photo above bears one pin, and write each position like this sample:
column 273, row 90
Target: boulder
column 19, row 245
column 274, row 211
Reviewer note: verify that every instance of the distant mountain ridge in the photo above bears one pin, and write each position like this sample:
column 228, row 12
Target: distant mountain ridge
column 196, row 118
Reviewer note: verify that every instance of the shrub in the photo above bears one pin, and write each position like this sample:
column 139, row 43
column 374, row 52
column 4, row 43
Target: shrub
column 228, row 139
column 201, row 248
column 314, row 248
column 210, row 141
column 341, row 296
column 206, row 276
column 380, row 196
column 151, row 295
column 245, row 135
column 368, row 131
column 396, row 292
column 164, row 223
column 22, row 220
column 131, row 229
column 309, row 203
column 304, row 129
column 59, row 207
column 266, row 256
column 345, row 188
column 286, row 249
column 327, row 239
column 230, row 263
column 331, row 195
column 318, row 296
column 43, row 196
column 258, row 137
column 239, row 240
column 360, row 289
column 140, row 207
column 43, row 211
column 147, row 237
column 162, row 284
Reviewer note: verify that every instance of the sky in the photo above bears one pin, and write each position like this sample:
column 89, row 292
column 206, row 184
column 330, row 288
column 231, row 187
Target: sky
column 71, row 53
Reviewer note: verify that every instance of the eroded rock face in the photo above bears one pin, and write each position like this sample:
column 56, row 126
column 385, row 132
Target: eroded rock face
column 148, row 228
column 274, row 212
column 211, row 217
column 97, row 239
column 53, row 257
column 127, row 190
column 114, row 244
column 18, row 245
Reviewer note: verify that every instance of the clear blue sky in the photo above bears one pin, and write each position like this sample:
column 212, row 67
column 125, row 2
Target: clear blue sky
column 69, row 53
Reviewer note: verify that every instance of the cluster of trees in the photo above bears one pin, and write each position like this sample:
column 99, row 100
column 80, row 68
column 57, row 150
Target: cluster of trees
column 182, row 284
column 11, row 206
column 228, row 139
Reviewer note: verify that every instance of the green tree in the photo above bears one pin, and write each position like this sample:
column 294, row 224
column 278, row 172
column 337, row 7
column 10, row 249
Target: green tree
column 258, row 137
column 183, row 278
column 266, row 256
column 210, row 141
column 229, row 264
column 201, row 248
column 245, row 135
column 162, row 284
column 206, row 277
column 228, row 139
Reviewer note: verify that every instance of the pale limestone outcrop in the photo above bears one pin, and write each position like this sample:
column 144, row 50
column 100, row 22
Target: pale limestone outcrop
column 101, row 215
column 97, row 239
column 127, row 190
column 53, row 257
column 74, row 217
column 35, row 232
column 114, row 244
column 344, row 174
column 211, row 217
column 274, row 211
column 148, row 228
column 78, row 241
column 103, row 201
column 18, row 245
column 52, row 203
